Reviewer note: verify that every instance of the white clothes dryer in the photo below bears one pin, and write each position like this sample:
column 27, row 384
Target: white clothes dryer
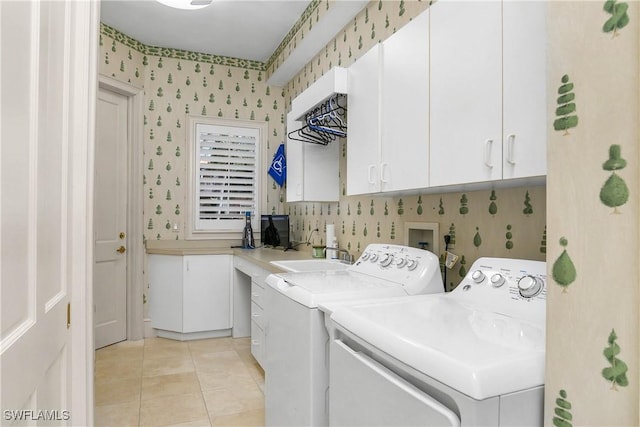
column 297, row 343
column 473, row 357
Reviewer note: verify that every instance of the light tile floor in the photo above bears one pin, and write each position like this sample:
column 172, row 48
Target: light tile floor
column 161, row 382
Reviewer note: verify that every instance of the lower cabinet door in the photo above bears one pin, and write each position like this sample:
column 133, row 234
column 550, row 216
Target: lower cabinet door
column 207, row 293
column 257, row 343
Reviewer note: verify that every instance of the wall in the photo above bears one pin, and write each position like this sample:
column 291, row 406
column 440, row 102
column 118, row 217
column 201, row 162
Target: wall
column 177, row 84
column 593, row 217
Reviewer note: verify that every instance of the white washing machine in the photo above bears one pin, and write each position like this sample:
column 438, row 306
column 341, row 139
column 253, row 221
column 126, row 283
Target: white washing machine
column 297, row 343
column 473, row 357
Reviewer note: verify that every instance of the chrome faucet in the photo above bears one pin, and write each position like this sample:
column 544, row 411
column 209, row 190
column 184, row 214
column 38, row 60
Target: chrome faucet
column 346, row 257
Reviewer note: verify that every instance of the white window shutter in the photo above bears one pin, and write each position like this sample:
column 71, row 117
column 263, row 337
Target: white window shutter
column 226, row 176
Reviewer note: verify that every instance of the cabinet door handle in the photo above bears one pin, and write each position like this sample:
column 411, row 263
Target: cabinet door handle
column 511, row 141
column 372, row 174
column 383, row 167
column 487, row 153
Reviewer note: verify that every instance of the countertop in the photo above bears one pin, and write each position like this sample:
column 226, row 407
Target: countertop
column 259, row 256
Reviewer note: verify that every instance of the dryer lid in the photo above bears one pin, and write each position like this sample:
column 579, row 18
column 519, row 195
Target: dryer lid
column 312, row 288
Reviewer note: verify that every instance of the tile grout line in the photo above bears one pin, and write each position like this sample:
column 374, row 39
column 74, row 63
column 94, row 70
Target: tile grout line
column 195, row 369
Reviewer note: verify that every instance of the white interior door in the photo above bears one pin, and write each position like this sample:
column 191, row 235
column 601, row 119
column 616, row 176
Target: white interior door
column 110, row 217
column 46, row 73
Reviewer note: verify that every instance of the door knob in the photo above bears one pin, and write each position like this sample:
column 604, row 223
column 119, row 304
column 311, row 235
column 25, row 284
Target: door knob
column 121, row 249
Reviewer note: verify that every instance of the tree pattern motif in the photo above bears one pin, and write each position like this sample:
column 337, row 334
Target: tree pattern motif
column 563, row 271
column 566, row 107
column 562, row 415
column 509, row 236
column 617, row 372
column 619, row 17
column 528, row 208
column 614, row 192
column 493, row 207
column 464, row 209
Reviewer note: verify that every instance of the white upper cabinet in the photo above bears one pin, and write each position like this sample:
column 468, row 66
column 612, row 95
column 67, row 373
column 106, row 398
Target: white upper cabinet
column 363, row 123
column 466, row 92
column 388, row 113
column 405, row 107
column 525, row 88
column 488, row 91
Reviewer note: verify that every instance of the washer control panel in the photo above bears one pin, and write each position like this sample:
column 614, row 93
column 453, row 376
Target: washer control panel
column 507, row 286
column 392, row 256
column 415, row 269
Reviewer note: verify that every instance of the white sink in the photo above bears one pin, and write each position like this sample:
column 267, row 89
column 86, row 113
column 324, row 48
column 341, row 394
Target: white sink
column 301, row 265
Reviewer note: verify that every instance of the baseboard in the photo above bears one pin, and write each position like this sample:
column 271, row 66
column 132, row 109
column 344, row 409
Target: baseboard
column 149, row 332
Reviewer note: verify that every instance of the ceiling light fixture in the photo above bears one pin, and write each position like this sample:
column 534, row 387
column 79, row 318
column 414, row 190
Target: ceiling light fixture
column 186, row 4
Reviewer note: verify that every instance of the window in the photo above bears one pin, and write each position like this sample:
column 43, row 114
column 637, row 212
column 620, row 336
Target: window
column 225, row 176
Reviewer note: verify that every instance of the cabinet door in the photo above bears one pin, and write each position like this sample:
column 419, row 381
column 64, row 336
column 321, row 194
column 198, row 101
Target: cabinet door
column 404, row 162
column 165, row 295
column 295, row 163
column 524, row 82
column 466, row 92
column 321, row 172
column 312, row 169
column 207, row 293
column 363, row 135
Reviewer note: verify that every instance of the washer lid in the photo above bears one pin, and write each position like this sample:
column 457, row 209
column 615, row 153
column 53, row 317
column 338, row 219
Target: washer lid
column 479, row 353
column 312, row 288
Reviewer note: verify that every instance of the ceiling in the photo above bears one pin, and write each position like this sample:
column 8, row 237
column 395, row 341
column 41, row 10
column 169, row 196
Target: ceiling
column 245, row 29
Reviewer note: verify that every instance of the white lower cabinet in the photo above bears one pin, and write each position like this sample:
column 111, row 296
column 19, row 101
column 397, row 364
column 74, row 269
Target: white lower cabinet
column 190, row 295
column 258, row 321
column 256, row 277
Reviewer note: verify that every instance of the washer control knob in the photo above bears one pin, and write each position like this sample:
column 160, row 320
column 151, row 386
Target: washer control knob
column 386, row 260
column 401, row 262
column 412, row 264
column 364, row 256
column 373, row 257
column 530, row 286
column 478, row 276
column 497, row 280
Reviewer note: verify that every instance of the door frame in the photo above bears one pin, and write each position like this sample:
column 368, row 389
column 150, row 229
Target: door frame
column 135, row 191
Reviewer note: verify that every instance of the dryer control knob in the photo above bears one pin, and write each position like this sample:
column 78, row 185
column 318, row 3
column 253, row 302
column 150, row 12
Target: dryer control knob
column 373, row 257
column 497, row 280
column 478, row 276
column 386, row 260
column 530, row 286
column 401, row 262
column 364, row 256
column 412, row 264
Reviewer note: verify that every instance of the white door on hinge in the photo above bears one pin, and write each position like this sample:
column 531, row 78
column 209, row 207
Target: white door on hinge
column 110, row 216
column 466, row 92
column 46, row 117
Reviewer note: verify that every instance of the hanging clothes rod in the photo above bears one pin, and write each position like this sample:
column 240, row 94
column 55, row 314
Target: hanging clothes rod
column 324, row 123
